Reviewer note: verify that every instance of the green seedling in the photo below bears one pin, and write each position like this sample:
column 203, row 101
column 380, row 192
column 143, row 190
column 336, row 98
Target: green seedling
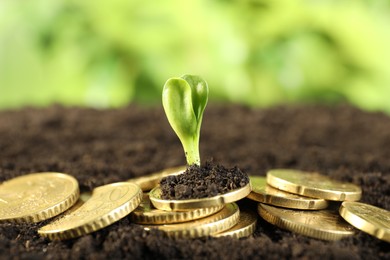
column 184, row 100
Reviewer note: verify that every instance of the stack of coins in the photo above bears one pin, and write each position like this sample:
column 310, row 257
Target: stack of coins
column 298, row 201
column 216, row 216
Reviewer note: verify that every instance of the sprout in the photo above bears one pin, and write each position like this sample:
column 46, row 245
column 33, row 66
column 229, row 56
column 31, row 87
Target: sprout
column 184, row 100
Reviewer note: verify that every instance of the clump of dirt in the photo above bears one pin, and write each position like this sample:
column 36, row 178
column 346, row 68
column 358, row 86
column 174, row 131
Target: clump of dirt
column 204, row 181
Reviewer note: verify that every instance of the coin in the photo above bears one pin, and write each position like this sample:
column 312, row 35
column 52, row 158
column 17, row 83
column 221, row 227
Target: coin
column 84, row 196
column 107, row 204
column 322, row 224
column 218, row 222
column 150, row 181
column 177, row 205
column 37, row 196
column 370, row 219
column 244, row 228
column 313, row 185
column 264, row 193
column 147, row 214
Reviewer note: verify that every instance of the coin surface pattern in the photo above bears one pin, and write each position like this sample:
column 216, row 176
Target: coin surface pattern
column 107, row 204
column 177, row 205
column 37, row 196
column 218, row 222
column 145, row 213
column 244, row 228
column 264, row 193
column 370, row 219
column 312, row 185
column 322, row 224
column 150, row 181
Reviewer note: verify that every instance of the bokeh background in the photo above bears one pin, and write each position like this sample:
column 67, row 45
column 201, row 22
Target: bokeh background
column 259, row 53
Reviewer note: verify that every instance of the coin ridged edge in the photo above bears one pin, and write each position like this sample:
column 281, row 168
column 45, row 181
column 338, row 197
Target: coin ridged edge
column 53, row 210
column 221, row 199
column 95, row 225
column 309, row 204
column 362, row 224
column 242, row 232
column 298, row 227
column 288, row 186
column 206, row 229
column 174, row 217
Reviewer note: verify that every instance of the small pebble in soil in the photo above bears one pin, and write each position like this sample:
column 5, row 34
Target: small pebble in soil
column 203, row 181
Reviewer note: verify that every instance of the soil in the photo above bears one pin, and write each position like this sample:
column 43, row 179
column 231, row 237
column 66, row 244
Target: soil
column 204, row 181
column 104, row 146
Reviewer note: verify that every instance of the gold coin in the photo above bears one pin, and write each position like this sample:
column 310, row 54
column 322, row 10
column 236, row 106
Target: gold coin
column 84, row 196
column 264, row 193
column 218, row 222
column 150, row 181
column 313, row 185
column 37, row 196
column 322, row 224
column 147, row 214
column 244, row 228
column 177, row 205
column 370, row 219
column 107, row 204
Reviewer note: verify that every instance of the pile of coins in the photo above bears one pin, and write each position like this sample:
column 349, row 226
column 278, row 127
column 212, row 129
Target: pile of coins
column 215, row 216
column 299, row 202
column 40, row 196
column 307, row 203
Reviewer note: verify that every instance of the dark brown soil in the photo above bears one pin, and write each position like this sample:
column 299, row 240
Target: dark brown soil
column 204, row 181
column 101, row 147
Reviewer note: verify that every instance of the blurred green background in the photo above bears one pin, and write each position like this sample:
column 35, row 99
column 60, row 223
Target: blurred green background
column 260, row 53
